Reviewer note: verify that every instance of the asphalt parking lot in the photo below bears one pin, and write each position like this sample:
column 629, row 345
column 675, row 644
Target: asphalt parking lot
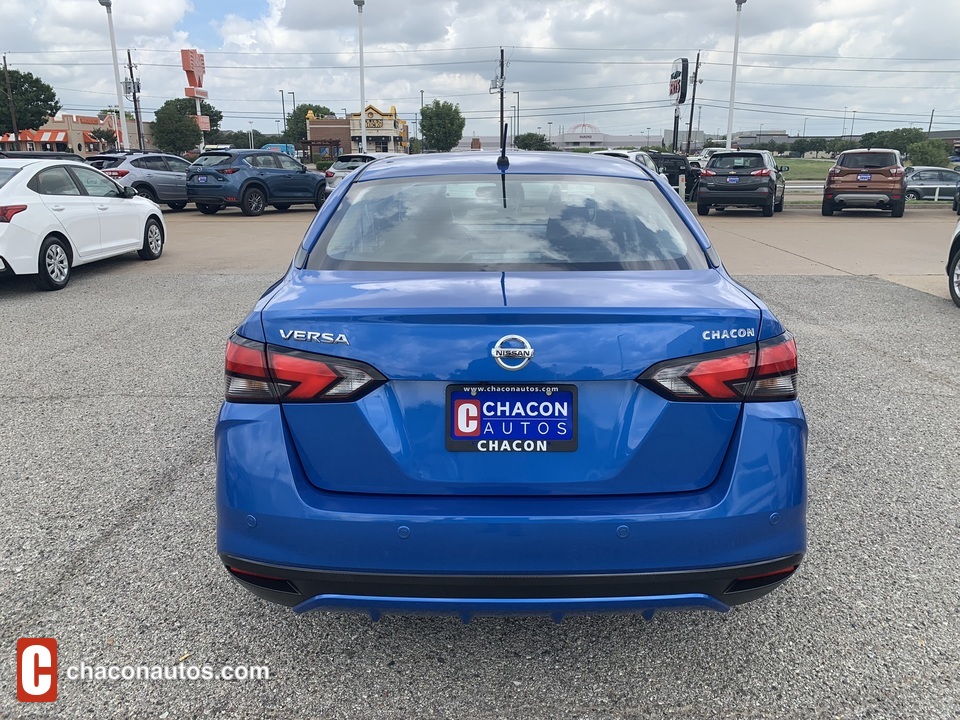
column 111, row 387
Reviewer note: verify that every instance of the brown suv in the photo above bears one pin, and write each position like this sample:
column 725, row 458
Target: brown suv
column 865, row 178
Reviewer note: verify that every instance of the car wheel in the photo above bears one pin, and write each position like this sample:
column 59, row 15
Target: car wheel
column 318, row 200
column 767, row 209
column 53, row 266
column 778, row 206
column 177, row 205
column 145, row 191
column 703, row 209
column 896, row 209
column 912, row 195
column 282, row 206
column 954, row 275
column 253, row 202
column 826, row 209
column 152, row 241
column 208, row 209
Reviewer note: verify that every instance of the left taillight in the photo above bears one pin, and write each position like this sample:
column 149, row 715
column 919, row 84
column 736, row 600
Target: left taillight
column 258, row 373
column 761, row 372
column 8, row 211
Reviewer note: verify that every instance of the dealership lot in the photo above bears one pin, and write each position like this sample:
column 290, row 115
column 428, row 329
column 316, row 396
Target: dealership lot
column 111, row 388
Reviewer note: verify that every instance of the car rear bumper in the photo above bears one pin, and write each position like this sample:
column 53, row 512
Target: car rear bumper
column 214, row 195
column 863, row 200
column 308, row 548
column 730, row 198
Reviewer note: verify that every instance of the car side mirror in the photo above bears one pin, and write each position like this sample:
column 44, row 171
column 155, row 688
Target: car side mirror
column 129, row 192
column 784, row 168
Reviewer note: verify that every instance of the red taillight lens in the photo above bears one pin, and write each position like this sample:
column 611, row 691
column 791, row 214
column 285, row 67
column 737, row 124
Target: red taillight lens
column 764, row 172
column 8, row 211
column 763, row 372
column 707, row 173
column 835, row 170
column 260, row 373
column 896, row 172
column 116, row 173
column 329, row 173
column 228, row 171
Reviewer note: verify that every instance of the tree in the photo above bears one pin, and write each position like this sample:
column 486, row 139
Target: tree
column 297, row 121
column 929, row 152
column 174, row 130
column 415, row 147
column 442, row 125
column 899, row 139
column 799, row 147
column 188, row 106
column 105, row 135
column 34, row 102
column 532, row 141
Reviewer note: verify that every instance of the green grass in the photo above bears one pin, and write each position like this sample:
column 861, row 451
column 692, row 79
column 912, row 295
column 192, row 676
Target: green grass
column 803, row 169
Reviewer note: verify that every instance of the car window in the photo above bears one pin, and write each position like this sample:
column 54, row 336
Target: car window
column 924, row 175
column 56, row 181
column 96, row 184
column 733, row 161
column 176, row 164
column 213, row 159
column 261, row 161
column 149, row 163
column 288, row 163
column 103, row 162
column 866, row 160
column 6, row 174
column 544, row 223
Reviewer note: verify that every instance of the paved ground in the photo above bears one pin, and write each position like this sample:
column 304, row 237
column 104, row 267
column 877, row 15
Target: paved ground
column 110, row 389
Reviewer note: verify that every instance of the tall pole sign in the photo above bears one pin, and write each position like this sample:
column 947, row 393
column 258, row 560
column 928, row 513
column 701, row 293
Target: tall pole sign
column 194, row 66
column 678, row 92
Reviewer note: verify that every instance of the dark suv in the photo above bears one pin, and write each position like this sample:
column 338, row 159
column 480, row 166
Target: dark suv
column 157, row 176
column 866, row 178
column 742, row 178
column 251, row 179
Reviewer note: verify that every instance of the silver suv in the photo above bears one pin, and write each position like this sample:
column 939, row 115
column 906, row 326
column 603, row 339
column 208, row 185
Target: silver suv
column 159, row 177
column 347, row 163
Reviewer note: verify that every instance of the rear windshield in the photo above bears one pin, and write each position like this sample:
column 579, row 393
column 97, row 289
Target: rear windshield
column 213, row 159
column 733, row 161
column 349, row 163
column 867, row 160
column 6, row 174
column 527, row 222
column 104, row 161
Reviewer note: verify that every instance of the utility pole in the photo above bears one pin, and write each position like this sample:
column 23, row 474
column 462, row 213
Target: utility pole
column 13, row 112
column 693, row 101
column 135, row 92
column 930, row 126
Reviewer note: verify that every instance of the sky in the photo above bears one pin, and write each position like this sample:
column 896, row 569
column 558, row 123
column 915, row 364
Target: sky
column 817, row 67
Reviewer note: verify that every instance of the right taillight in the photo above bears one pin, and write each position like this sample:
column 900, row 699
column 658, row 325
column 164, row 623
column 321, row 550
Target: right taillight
column 329, row 173
column 258, row 373
column 766, row 371
column 707, row 173
column 8, row 211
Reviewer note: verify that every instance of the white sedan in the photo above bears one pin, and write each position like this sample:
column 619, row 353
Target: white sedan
column 57, row 214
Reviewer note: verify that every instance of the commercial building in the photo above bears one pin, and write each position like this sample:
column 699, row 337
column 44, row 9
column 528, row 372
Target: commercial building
column 331, row 136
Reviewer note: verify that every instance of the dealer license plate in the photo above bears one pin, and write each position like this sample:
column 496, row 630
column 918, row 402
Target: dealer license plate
column 511, row 418
column 201, row 178
column 864, row 176
column 733, row 179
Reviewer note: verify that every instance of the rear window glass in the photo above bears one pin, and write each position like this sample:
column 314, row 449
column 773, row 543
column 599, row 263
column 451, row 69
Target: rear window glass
column 733, row 161
column 104, row 162
column 6, row 174
column 349, row 163
column 213, row 159
column 529, row 222
column 867, row 160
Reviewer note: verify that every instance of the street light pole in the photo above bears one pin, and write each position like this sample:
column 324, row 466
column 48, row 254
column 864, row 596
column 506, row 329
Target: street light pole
column 293, row 109
column 283, row 107
column 550, row 132
column 733, row 76
column 516, row 125
column 853, row 119
column 363, row 98
column 123, row 142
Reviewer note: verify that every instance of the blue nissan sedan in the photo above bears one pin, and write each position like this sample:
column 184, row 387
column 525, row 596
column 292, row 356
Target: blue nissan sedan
column 509, row 385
